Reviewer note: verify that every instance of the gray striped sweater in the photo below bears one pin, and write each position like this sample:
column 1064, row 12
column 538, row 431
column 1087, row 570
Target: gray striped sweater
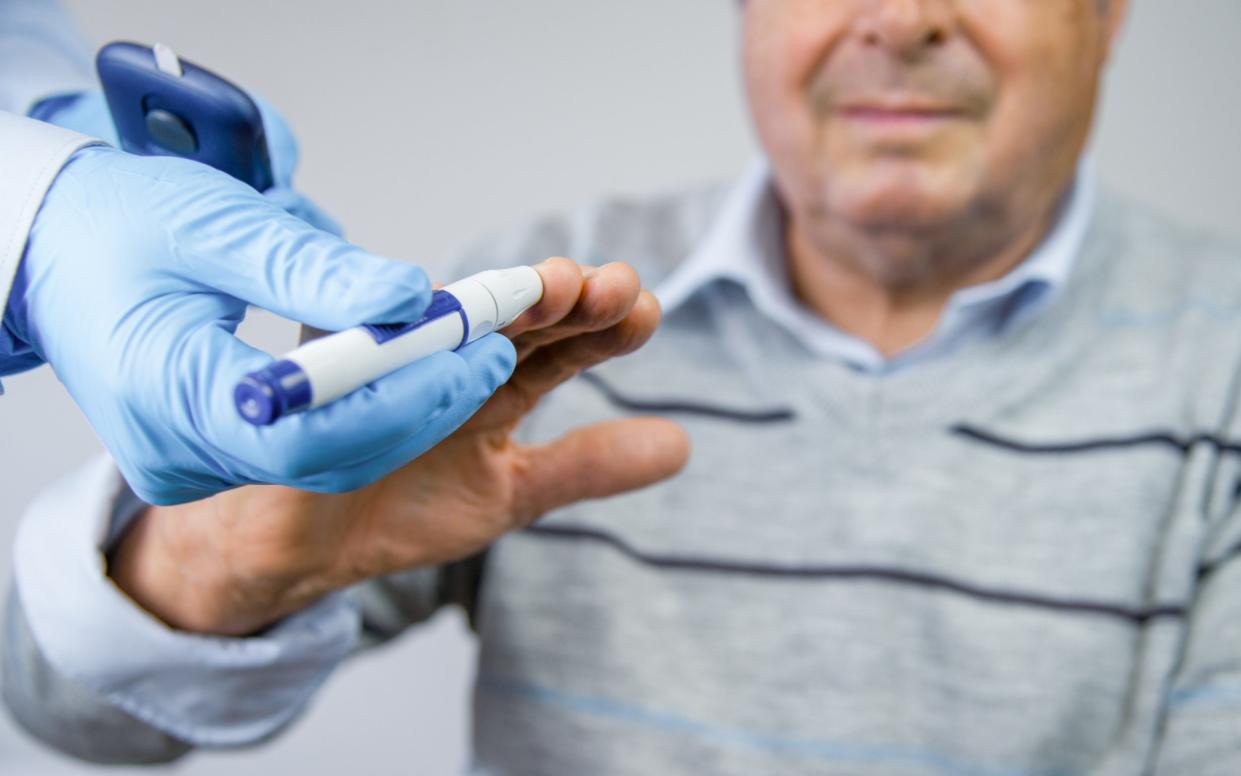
column 1021, row 559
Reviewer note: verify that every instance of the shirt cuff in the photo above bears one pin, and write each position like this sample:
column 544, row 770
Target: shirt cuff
column 204, row 690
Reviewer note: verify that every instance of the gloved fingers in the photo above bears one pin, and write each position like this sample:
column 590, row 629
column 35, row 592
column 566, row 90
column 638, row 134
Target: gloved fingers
column 293, row 203
column 600, row 299
column 490, row 361
column 397, row 412
column 552, row 364
column 168, row 485
column 596, row 462
column 356, row 427
column 246, row 247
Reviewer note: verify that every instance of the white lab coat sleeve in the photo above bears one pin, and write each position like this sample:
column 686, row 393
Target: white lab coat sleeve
column 204, row 691
column 31, row 155
column 41, row 55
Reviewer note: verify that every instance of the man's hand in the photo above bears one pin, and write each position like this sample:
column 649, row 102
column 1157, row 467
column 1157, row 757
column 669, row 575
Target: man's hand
column 236, row 562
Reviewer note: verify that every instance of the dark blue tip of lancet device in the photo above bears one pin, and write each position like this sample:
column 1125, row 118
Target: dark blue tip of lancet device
column 265, row 396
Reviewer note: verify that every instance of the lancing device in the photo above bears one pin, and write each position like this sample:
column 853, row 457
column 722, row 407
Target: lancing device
column 328, row 368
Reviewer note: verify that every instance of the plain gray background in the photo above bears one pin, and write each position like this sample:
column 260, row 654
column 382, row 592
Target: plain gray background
column 424, row 124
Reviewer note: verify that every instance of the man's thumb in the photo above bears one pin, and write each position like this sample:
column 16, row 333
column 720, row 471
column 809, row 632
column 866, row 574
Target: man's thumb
column 599, row 461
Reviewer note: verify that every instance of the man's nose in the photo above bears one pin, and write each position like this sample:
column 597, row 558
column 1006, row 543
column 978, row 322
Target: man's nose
column 908, row 28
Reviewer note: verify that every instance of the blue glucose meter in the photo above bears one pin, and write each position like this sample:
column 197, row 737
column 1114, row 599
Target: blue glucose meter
column 163, row 105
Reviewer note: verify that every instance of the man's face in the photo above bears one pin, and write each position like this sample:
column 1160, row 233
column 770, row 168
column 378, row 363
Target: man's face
column 913, row 114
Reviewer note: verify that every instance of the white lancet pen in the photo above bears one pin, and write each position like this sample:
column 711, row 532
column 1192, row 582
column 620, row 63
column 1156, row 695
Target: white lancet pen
column 328, row 368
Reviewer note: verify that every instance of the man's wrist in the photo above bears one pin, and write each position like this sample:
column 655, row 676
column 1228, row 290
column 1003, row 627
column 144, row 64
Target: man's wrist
column 207, row 691
column 178, row 565
column 152, row 572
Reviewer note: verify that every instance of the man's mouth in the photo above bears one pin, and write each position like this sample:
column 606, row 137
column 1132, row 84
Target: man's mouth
column 897, row 113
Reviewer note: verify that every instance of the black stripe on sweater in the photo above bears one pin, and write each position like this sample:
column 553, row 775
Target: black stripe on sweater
column 1181, row 445
column 1210, row 567
column 677, row 407
column 1135, row 615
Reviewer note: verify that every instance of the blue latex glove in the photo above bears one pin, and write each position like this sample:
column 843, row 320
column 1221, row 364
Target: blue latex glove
column 135, row 277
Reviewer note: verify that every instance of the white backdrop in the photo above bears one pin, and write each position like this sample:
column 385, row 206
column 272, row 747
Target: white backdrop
column 424, row 124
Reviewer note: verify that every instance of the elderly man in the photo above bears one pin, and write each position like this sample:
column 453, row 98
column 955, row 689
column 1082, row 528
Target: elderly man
column 964, row 491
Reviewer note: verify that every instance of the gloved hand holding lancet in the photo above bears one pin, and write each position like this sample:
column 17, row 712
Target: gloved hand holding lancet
column 135, row 277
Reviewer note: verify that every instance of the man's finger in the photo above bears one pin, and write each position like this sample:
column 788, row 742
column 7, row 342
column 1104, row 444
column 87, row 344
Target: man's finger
column 551, row 365
column 598, row 461
column 562, row 285
column 606, row 296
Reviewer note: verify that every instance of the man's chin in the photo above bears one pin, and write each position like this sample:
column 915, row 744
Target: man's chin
column 895, row 199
